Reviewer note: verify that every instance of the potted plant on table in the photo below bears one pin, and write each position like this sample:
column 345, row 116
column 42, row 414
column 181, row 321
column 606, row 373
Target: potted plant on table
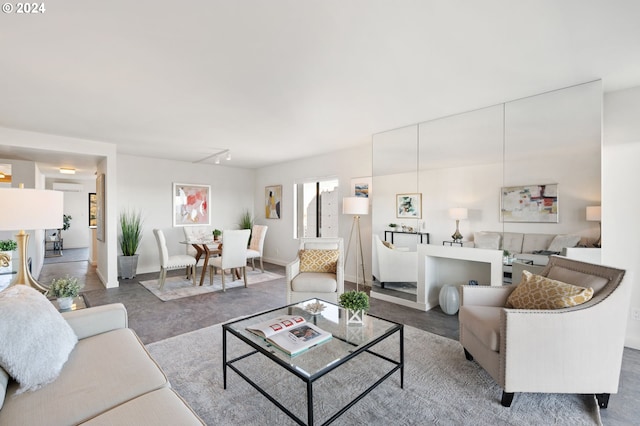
column 64, row 290
column 130, row 237
column 356, row 303
column 6, row 252
column 216, row 234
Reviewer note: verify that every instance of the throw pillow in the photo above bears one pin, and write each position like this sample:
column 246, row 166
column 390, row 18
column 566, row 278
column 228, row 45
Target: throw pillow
column 36, row 339
column 538, row 292
column 486, row 240
column 561, row 241
column 387, row 244
column 319, row 260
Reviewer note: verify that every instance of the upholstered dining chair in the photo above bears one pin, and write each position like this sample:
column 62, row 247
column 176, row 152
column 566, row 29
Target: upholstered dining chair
column 536, row 344
column 256, row 245
column 234, row 254
column 168, row 263
column 317, row 272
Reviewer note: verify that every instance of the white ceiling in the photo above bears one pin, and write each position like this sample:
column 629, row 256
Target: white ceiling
column 279, row 80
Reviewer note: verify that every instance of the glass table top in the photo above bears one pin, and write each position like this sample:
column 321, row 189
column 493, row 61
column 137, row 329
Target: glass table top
column 347, row 338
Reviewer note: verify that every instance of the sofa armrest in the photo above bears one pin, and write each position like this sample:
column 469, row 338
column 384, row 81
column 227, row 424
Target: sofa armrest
column 99, row 319
column 483, row 295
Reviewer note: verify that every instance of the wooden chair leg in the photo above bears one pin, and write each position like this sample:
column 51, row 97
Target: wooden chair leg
column 244, row 273
column 253, row 263
column 261, row 265
column 212, row 272
column 223, row 284
column 193, row 274
column 163, row 277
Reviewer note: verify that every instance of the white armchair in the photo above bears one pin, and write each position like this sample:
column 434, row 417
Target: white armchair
column 393, row 265
column 577, row 349
column 303, row 283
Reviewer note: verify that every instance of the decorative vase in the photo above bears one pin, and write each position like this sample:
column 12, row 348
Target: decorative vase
column 355, row 317
column 65, row 302
column 449, row 299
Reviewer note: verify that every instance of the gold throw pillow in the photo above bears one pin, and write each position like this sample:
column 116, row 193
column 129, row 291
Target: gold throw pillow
column 319, row 260
column 538, row 292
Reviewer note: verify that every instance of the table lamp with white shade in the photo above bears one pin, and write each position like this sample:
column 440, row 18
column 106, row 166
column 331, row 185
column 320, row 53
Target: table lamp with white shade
column 356, row 206
column 458, row 213
column 29, row 209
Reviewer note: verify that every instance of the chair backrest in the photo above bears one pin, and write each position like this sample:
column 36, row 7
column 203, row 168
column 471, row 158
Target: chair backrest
column 234, row 248
column 162, row 247
column 258, row 233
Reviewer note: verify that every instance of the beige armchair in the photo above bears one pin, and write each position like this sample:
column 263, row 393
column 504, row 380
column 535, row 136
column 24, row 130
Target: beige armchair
column 569, row 350
column 306, row 279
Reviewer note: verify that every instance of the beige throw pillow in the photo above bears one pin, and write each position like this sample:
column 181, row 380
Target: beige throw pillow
column 538, row 292
column 319, row 260
column 387, row 244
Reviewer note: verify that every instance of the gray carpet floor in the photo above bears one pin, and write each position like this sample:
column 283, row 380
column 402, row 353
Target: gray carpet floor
column 441, row 387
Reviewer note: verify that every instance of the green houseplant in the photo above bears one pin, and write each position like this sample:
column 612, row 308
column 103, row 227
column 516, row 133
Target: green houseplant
column 130, row 237
column 246, row 221
column 6, row 249
column 356, row 303
column 216, row 234
column 64, row 289
column 8, row 245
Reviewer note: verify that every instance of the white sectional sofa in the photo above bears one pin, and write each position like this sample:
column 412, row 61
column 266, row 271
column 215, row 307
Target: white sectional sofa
column 108, row 379
column 534, row 247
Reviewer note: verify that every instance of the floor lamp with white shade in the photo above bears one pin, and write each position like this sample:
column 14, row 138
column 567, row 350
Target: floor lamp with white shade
column 29, row 209
column 357, row 206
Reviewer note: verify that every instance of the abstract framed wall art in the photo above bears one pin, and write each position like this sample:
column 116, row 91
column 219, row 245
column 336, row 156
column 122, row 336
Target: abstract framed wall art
column 191, row 204
column 530, row 203
column 273, row 201
column 409, row 206
column 361, row 187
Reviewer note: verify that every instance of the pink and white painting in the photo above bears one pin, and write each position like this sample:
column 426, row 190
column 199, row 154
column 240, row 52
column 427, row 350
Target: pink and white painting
column 191, row 204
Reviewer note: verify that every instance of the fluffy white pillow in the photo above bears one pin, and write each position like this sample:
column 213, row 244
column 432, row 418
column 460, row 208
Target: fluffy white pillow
column 486, row 240
column 561, row 241
column 36, row 339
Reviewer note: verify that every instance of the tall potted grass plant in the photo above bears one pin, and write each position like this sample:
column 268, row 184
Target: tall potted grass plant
column 130, row 237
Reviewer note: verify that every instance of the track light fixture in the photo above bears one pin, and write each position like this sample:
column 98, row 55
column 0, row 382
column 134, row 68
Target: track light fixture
column 226, row 153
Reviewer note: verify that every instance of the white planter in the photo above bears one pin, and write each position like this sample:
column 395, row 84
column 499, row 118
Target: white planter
column 355, row 317
column 65, row 302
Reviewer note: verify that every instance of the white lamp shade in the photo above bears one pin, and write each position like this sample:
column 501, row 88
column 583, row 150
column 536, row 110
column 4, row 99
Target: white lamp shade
column 458, row 213
column 355, row 205
column 30, row 209
column 594, row 214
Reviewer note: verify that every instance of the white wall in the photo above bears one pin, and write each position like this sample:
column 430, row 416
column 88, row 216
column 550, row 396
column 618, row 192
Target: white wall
column 76, row 204
column 280, row 247
column 146, row 184
column 620, row 203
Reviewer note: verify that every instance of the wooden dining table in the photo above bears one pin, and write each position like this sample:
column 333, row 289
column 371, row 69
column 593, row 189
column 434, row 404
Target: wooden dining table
column 207, row 248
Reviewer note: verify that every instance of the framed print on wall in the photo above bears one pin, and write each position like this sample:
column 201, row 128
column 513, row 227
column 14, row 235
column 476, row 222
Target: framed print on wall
column 93, row 210
column 273, row 201
column 530, row 203
column 361, row 187
column 409, row 206
column 191, row 204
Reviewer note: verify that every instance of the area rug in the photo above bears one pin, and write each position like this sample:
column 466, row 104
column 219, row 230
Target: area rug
column 441, row 387
column 178, row 287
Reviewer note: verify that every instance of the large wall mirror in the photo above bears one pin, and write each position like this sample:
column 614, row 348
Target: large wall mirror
column 467, row 161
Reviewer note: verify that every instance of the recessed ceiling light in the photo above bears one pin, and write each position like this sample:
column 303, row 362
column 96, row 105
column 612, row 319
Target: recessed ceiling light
column 67, row 171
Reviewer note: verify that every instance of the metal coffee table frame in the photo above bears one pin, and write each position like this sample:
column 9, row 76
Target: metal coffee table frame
column 267, row 351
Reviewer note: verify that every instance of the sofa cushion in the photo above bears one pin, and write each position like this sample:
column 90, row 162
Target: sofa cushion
column 538, row 292
column 319, row 282
column 319, row 260
column 512, row 241
column 36, row 340
column 486, row 240
column 535, row 242
column 160, row 407
column 103, row 371
column 562, row 241
column 483, row 322
column 577, row 278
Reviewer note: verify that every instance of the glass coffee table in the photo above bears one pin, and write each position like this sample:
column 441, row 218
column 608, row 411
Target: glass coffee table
column 348, row 342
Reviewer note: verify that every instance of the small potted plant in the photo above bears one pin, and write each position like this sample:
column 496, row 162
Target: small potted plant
column 356, row 303
column 6, row 249
column 393, row 226
column 64, row 290
column 216, row 234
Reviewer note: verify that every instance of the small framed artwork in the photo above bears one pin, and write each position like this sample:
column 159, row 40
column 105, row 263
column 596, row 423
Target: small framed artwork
column 361, row 187
column 409, row 206
column 530, row 203
column 273, row 201
column 191, row 204
column 93, row 210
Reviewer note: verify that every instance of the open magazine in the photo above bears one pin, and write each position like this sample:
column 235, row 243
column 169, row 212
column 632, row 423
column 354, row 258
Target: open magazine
column 290, row 333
